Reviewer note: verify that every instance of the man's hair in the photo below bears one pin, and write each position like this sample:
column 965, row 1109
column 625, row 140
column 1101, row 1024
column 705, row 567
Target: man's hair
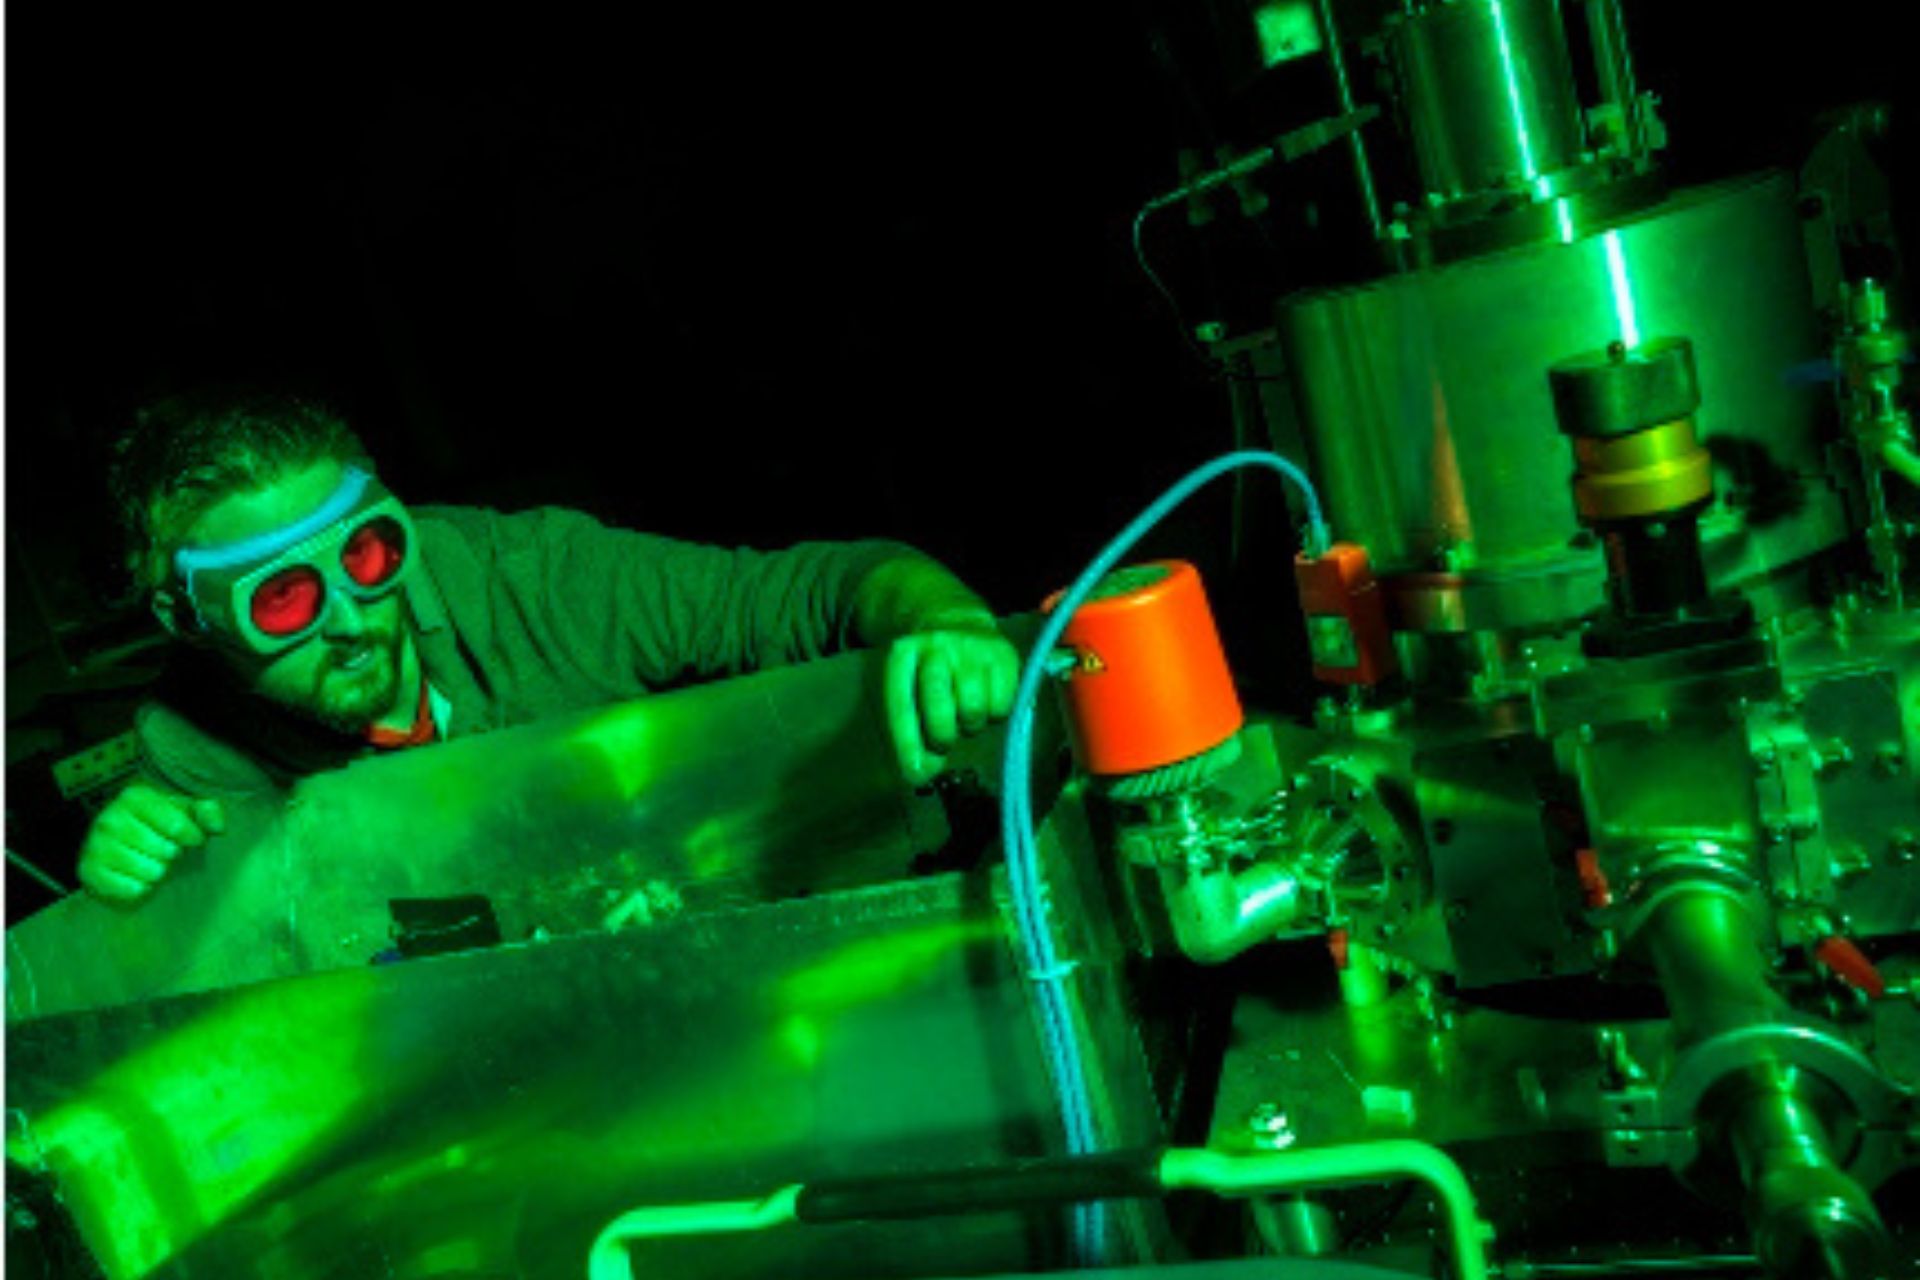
column 186, row 452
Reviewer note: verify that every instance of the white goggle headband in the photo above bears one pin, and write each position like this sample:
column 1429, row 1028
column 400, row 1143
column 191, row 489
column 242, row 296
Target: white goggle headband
column 218, row 583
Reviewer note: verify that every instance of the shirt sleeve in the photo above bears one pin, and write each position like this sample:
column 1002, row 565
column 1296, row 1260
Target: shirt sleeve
column 613, row 602
column 177, row 755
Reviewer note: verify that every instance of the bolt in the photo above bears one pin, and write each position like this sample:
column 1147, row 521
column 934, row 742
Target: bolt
column 1269, row 1128
column 1776, row 832
column 1906, row 844
column 1765, row 758
column 1889, row 758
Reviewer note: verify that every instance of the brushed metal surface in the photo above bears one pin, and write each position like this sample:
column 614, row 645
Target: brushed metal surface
column 1425, row 406
column 747, row 790
column 486, row 1113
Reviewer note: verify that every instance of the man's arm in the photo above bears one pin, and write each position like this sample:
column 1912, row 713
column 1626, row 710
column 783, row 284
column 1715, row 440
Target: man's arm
column 949, row 671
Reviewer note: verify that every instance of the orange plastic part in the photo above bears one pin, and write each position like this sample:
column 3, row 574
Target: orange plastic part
column 1850, row 965
column 1593, row 881
column 1346, row 616
column 1152, row 686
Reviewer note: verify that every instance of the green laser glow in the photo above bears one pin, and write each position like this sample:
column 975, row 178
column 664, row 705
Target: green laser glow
column 1622, row 290
column 1508, row 71
column 169, row 1143
column 1563, row 218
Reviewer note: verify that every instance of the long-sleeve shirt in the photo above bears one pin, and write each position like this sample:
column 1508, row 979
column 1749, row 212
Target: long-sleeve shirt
column 522, row 616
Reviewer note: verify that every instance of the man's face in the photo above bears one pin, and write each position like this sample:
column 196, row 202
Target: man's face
column 348, row 674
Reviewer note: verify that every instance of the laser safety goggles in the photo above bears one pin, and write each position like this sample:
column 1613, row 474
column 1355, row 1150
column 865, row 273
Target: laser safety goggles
column 272, row 590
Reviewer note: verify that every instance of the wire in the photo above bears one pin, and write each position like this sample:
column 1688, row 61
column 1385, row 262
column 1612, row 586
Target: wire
column 1216, row 368
column 45, row 880
column 1044, row 965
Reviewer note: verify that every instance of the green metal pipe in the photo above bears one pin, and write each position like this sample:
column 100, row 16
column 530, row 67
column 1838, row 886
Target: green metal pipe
column 609, row 1259
column 1713, row 970
column 1179, row 1169
column 1316, row 1167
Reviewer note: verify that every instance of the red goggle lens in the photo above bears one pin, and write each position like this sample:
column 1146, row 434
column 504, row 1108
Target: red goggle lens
column 287, row 602
column 375, row 552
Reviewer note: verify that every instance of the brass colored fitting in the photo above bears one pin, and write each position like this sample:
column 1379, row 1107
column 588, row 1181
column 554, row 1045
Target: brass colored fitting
column 1646, row 473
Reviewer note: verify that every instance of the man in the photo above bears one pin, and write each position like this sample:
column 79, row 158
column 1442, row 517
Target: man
column 321, row 619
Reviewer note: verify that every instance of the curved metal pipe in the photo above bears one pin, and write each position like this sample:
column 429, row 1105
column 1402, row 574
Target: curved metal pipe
column 1216, row 915
column 609, row 1259
column 1315, row 1167
column 1086, row 1178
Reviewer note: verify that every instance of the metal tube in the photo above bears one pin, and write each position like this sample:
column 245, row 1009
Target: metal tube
column 1612, row 63
column 1706, row 950
column 609, row 1259
column 1218, row 914
column 1181, row 1168
column 1362, row 168
column 1808, row 1218
column 1259, row 1174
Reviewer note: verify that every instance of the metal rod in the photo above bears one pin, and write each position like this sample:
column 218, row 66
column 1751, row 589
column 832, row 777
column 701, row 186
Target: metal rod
column 1737, row 1263
column 45, row 879
column 1361, row 167
column 1613, row 66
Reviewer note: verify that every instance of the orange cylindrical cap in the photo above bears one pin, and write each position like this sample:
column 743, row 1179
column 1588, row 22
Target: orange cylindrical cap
column 1152, row 687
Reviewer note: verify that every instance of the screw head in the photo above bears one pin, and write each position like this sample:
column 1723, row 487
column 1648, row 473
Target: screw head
column 1268, row 1126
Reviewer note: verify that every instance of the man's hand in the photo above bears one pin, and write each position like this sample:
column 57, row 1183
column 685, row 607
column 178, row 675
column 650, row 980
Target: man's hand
column 942, row 685
column 133, row 842
column 949, row 670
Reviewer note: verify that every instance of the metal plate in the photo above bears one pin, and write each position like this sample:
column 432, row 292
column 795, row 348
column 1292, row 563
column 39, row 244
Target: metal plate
column 743, row 791
column 486, row 1113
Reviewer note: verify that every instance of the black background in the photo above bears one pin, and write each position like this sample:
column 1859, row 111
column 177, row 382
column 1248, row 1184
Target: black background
column 740, row 274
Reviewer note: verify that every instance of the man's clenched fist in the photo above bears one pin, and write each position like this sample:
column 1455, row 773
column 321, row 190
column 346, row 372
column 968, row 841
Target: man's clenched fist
column 133, row 842
column 943, row 686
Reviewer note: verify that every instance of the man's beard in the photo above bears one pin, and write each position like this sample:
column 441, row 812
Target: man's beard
column 351, row 700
